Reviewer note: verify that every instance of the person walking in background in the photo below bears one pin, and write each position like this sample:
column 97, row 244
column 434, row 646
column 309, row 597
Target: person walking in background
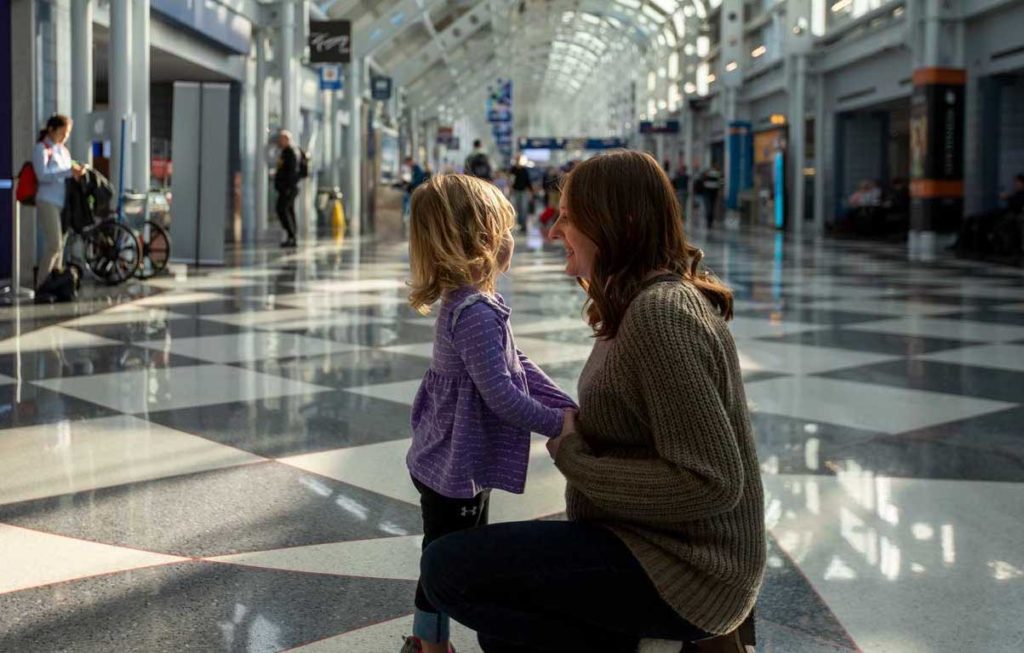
column 53, row 165
column 522, row 192
column 417, row 175
column 286, row 183
column 478, row 164
column 710, row 186
column 681, row 183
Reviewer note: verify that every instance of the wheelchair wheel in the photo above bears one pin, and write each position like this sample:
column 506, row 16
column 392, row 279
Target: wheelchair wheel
column 156, row 250
column 112, row 252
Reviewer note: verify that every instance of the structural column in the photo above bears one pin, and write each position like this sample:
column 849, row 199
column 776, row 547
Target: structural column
column 261, row 169
column 140, row 95
column 289, row 81
column 354, row 145
column 738, row 160
column 820, row 164
column 937, row 115
column 797, row 144
column 81, row 79
column 120, row 83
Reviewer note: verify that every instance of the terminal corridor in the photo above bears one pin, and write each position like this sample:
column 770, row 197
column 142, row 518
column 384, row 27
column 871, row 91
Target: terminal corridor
column 218, row 464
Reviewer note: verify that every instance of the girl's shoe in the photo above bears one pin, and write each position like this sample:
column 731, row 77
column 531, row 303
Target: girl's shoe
column 413, row 645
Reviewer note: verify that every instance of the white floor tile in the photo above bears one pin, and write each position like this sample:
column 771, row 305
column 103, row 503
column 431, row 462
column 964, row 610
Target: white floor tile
column 201, row 283
column 1004, row 357
column 32, row 558
column 761, row 356
column 944, row 328
column 265, row 317
column 861, row 405
column 333, row 301
column 905, row 564
column 361, row 466
column 894, row 307
column 358, row 285
column 144, row 315
column 54, row 338
column 251, row 346
column 548, row 352
column 422, row 349
column 396, row 558
column 144, row 391
column 750, row 327
column 68, row 457
column 171, row 299
column 402, row 392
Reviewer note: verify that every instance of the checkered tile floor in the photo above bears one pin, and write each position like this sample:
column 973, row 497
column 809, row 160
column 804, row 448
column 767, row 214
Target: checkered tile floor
column 216, row 463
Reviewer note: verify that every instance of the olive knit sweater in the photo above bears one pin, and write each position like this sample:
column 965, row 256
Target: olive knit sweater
column 664, row 455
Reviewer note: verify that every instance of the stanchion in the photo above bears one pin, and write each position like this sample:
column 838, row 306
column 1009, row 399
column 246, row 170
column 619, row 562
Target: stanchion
column 15, row 291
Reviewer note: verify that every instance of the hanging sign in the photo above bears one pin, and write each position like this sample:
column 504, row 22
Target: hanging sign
column 380, row 88
column 571, row 143
column 330, row 77
column 330, row 41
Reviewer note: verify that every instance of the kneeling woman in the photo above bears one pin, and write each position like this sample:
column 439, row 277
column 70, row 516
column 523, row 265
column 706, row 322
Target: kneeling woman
column 665, row 537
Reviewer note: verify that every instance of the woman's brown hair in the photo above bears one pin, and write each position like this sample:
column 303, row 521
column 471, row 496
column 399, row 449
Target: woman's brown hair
column 624, row 202
column 458, row 226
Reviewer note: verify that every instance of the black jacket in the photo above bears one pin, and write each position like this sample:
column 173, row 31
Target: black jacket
column 287, row 175
column 86, row 197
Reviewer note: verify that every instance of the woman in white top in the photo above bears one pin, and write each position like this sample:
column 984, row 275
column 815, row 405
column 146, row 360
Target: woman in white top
column 53, row 165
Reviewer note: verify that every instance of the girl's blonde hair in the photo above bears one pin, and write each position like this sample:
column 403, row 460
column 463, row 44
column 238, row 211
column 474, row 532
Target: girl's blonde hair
column 457, row 226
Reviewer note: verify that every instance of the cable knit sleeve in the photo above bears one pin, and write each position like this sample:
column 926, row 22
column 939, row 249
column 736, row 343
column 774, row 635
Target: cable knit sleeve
column 698, row 471
column 480, row 337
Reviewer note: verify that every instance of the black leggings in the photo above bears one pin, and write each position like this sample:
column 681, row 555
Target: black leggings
column 443, row 515
column 546, row 586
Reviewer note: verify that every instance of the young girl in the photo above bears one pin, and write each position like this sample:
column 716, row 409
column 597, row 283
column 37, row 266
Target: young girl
column 481, row 397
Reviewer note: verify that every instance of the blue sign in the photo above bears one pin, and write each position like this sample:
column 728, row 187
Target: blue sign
column 741, row 161
column 501, row 129
column 330, row 78
column 380, row 88
column 499, row 103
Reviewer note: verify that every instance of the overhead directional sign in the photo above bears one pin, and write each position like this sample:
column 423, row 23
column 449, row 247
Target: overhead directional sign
column 330, row 77
column 571, row 143
column 330, row 41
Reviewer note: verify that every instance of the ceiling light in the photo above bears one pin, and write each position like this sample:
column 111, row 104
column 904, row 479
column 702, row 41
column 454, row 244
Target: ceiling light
column 731, row 66
column 759, row 51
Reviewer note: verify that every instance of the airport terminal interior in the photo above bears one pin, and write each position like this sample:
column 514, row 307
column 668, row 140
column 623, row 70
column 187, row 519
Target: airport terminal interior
column 206, row 395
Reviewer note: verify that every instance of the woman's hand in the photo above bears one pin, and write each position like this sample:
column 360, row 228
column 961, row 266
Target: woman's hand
column 568, row 426
column 77, row 171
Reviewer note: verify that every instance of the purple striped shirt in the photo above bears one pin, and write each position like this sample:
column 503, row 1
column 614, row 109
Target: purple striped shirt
column 479, row 401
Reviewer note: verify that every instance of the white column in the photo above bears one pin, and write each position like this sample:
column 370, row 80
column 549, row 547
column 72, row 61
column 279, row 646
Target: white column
column 289, row 82
column 798, row 144
column 260, row 172
column 120, row 83
column 140, row 94
column 81, row 79
column 354, row 145
column 821, row 163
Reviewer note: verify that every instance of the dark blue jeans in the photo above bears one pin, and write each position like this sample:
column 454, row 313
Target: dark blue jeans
column 547, row 586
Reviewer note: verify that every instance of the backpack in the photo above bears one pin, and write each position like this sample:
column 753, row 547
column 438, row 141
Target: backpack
column 59, row 287
column 28, row 185
column 479, row 166
column 303, row 163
